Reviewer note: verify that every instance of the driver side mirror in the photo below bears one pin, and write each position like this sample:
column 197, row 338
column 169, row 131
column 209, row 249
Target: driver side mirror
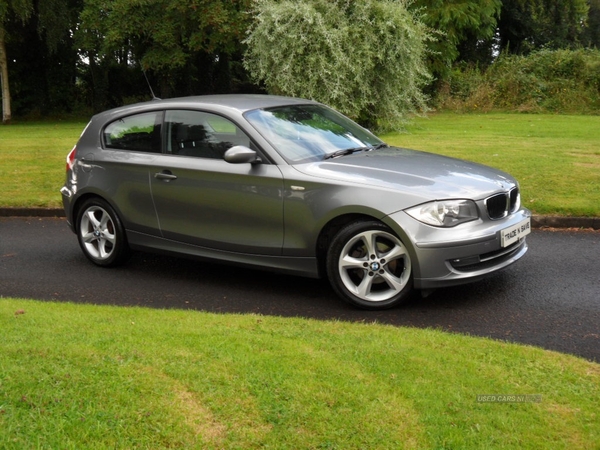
column 240, row 154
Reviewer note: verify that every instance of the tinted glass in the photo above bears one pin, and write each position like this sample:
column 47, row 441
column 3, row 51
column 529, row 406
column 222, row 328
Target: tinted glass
column 309, row 132
column 140, row 132
column 204, row 135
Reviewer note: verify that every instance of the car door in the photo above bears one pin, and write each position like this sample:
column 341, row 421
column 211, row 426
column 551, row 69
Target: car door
column 119, row 172
column 203, row 200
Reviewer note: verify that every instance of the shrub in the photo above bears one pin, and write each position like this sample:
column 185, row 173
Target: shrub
column 365, row 58
column 465, row 89
column 565, row 81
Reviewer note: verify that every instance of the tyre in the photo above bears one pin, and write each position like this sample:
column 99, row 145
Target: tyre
column 100, row 233
column 369, row 266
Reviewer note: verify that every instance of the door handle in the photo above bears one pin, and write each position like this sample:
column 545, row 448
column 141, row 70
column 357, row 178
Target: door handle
column 165, row 175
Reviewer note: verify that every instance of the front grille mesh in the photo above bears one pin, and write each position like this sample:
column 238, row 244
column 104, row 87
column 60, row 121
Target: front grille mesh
column 501, row 205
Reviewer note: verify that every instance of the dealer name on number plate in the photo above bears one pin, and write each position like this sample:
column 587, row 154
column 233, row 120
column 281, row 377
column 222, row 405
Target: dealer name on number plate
column 516, row 232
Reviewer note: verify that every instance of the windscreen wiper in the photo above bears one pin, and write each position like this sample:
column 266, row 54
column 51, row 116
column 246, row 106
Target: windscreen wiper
column 349, row 151
column 378, row 146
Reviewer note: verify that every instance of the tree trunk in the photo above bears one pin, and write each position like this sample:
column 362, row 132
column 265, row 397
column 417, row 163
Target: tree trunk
column 6, row 114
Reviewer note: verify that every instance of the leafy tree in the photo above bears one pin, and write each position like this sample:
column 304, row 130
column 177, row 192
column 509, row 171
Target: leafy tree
column 591, row 33
column 10, row 10
column 163, row 36
column 527, row 25
column 365, row 58
column 42, row 59
column 462, row 27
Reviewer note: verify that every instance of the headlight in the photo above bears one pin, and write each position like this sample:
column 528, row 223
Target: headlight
column 445, row 213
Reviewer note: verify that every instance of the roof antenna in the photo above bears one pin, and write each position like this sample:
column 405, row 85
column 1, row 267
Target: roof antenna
column 154, row 97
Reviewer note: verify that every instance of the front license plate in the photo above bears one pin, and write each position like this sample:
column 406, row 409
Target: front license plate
column 512, row 234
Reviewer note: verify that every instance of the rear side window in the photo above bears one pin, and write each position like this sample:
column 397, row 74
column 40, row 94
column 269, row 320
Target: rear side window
column 200, row 134
column 140, row 132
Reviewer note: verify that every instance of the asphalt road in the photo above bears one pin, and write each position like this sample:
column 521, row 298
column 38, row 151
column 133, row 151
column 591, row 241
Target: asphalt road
column 550, row 299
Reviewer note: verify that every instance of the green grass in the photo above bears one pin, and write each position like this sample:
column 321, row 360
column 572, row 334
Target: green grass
column 33, row 157
column 81, row 376
column 556, row 158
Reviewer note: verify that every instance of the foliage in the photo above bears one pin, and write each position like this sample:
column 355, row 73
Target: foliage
column 591, row 33
column 15, row 9
column 163, row 36
column 55, row 21
column 43, row 66
column 460, row 23
column 528, row 25
column 545, row 81
column 366, row 58
column 73, row 55
column 10, row 10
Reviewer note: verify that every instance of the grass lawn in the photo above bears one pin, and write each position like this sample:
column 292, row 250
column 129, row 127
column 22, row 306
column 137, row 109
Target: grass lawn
column 33, row 157
column 82, row 376
column 556, row 158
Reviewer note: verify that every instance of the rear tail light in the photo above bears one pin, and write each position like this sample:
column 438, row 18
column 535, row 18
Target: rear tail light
column 71, row 159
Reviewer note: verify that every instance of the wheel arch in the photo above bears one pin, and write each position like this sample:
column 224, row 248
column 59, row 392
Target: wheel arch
column 81, row 201
column 334, row 225
column 329, row 231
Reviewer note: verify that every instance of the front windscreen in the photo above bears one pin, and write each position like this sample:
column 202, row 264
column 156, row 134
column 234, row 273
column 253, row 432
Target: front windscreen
column 302, row 133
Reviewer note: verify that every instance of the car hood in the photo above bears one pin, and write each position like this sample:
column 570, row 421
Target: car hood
column 426, row 175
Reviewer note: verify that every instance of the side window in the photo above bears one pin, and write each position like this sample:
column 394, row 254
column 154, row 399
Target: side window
column 204, row 135
column 140, row 132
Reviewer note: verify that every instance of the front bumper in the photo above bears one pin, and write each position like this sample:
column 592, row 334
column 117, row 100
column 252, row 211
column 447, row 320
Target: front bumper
column 451, row 256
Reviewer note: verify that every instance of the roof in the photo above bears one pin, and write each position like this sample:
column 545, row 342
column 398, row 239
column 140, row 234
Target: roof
column 239, row 102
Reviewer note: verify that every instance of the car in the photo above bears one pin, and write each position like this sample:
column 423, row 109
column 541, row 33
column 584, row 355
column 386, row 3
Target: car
column 288, row 185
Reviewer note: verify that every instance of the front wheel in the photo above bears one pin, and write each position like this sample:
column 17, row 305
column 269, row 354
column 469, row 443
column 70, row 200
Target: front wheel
column 100, row 233
column 369, row 266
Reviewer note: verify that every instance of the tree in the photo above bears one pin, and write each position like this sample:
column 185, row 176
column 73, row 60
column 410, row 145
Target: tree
column 365, row 58
column 37, row 36
column 10, row 10
column 43, row 59
column 460, row 25
column 527, row 25
column 162, row 36
column 591, row 33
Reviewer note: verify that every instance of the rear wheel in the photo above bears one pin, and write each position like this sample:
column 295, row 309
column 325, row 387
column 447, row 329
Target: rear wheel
column 100, row 233
column 369, row 266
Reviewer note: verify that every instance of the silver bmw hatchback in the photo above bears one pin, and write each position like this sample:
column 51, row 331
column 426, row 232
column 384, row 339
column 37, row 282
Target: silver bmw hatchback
column 288, row 185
